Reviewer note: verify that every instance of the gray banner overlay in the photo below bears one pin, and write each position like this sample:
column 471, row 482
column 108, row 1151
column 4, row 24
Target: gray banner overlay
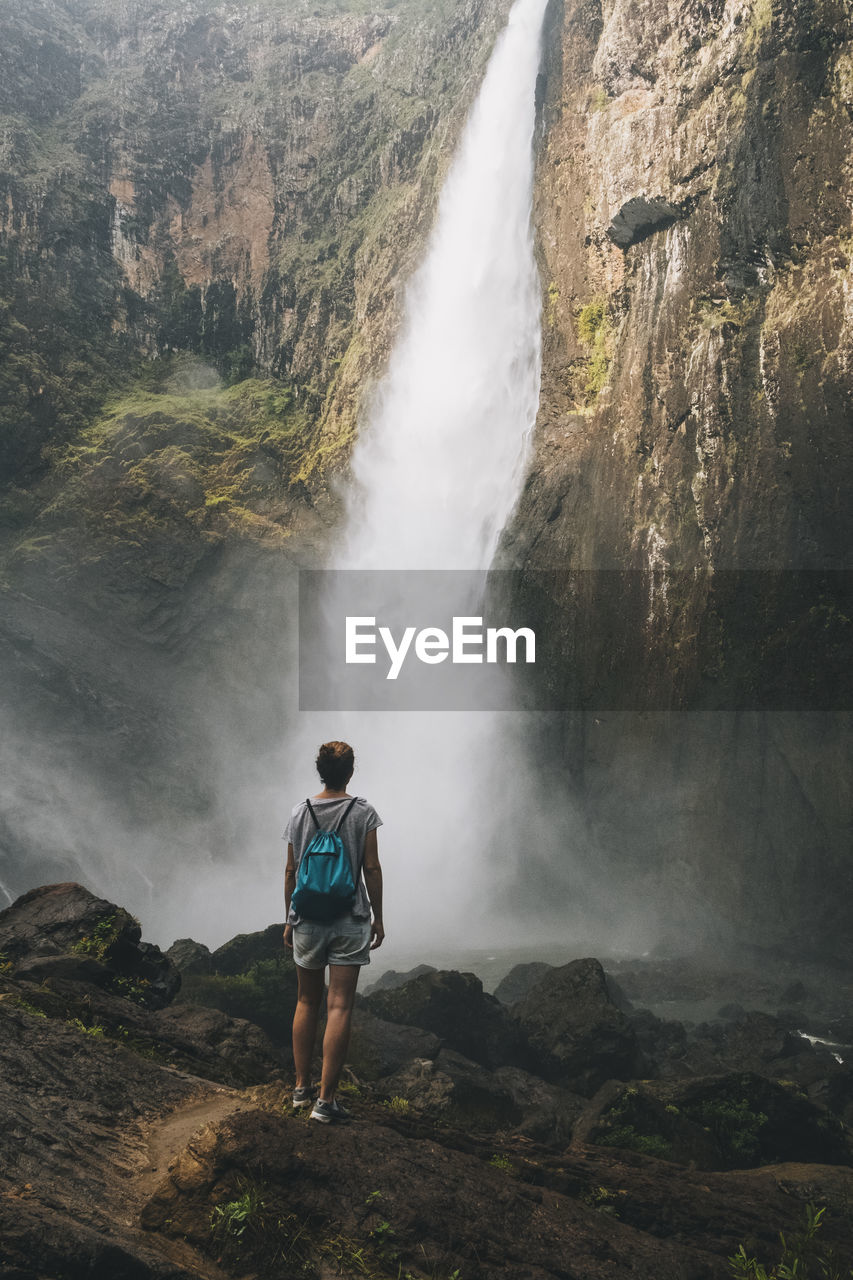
column 557, row 640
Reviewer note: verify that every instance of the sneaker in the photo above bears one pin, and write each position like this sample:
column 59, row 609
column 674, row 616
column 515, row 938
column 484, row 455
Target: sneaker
column 329, row 1112
column 303, row 1096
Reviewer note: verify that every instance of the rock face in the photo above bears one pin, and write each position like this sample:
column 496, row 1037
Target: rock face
column 455, row 1008
column 692, row 200
column 219, row 260
column 725, row 1122
column 64, row 931
column 581, row 1038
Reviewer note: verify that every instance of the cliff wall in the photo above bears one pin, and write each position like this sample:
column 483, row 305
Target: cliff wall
column 694, row 201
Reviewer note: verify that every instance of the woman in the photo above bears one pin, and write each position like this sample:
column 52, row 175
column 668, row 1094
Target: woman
column 344, row 944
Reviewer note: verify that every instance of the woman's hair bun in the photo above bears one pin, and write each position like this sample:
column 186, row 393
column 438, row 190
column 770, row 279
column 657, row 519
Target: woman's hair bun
column 335, row 763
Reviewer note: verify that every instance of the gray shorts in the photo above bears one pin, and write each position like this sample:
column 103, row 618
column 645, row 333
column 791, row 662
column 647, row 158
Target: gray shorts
column 343, row 941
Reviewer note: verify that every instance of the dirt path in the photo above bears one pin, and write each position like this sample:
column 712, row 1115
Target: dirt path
column 157, row 1142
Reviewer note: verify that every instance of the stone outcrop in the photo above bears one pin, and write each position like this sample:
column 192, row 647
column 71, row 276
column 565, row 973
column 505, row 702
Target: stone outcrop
column 579, row 1035
column 64, row 931
column 454, row 1007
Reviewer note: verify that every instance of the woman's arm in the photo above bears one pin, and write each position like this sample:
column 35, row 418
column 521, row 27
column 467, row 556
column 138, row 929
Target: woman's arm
column 373, row 883
column 289, row 886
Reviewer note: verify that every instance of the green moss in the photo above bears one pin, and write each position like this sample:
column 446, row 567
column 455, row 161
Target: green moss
column 717, row 314
column 173, row 453
column 631, row 1139
column 553, row 300
column 594, row 331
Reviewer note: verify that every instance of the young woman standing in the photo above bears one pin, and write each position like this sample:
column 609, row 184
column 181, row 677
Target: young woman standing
column 344, row 944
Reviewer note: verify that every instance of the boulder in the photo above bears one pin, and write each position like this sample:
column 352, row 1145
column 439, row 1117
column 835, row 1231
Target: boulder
column 516, row 984
column 391, row 979
column 379, row 1048
column 548, row 1113
column 734, row 1121
column 455, row 1008
column 662, row 1043
column 755, row 1042
column 579, row 1036
column 241, row 952
column 453, row 1089
column 53, row 930
column 190, row 957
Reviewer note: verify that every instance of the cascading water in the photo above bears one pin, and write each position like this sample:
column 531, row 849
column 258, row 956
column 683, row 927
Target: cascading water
column 436, row 471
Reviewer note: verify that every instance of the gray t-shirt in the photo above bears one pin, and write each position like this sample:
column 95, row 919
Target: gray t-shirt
column 362, row 817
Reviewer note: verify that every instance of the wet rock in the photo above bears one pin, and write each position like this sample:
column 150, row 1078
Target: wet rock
column 662, row 1043
column 453, row 1089
column 754, row 1042
column 53, row 930
column 641, row 217
column 735, row 1121
column 548, row 1113
column 579, row 1036
column 241, row 952
column 241, row 1047
column 391, row 978
column 190, row 957
column 516, row 984
column 379, row 1048
column 455, row 1008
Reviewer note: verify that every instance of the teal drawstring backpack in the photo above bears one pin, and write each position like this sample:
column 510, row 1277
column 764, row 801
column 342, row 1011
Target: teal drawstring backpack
column 325, row 884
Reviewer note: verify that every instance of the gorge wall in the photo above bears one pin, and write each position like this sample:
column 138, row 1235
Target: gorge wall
column 694, row 205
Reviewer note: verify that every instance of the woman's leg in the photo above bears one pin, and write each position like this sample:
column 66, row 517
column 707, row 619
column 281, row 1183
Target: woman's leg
column 343, row 979
column 310, row 997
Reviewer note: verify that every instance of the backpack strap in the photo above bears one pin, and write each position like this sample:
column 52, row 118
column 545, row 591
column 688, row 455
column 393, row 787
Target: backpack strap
column 313, row 814
column 340, row 821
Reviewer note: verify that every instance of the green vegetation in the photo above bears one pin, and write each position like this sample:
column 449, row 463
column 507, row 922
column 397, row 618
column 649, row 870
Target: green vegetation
column 96, row 1031
column 265, row 995
column 503, row 1162
column 20, row 1003
column 801, row 1257
column 736, row 1127
column 236, row 1217
column 630, row 1138
column 553, row 300
column 98, row 943
column 717, row 313
column 399, row 1106
column 594, row 330
column 135, row 989
column 630, row 1124
column 5, row 963
column 255, row 1228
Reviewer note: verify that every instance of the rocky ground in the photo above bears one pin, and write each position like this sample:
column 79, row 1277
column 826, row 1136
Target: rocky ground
column 554, row 1129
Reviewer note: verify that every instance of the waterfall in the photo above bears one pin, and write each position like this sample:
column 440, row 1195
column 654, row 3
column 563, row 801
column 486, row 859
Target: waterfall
column 436, row 471
column 437, row 468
